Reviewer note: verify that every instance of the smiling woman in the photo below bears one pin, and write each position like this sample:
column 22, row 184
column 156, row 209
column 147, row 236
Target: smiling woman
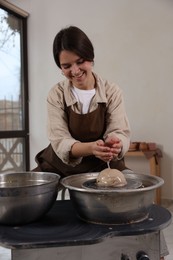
column 14, row 141
column 87, row 122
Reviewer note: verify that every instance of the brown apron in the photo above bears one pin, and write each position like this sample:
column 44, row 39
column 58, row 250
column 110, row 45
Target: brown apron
column 84, row 128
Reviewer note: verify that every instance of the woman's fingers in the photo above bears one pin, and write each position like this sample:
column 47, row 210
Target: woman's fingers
column 107, row 152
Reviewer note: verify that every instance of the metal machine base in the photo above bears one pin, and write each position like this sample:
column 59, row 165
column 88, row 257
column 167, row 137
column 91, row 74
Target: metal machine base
column 114, row 248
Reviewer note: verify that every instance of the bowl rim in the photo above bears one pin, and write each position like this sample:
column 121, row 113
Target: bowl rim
column 93, row 175
column 55, row 180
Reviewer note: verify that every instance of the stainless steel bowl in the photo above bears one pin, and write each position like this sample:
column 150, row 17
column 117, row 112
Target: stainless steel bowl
column 26, row 196
column 112, row 206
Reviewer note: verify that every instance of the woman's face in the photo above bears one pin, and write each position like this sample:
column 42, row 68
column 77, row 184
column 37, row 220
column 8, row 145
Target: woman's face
column 77, row 70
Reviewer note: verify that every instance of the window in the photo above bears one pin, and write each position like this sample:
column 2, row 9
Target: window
column 14, row 118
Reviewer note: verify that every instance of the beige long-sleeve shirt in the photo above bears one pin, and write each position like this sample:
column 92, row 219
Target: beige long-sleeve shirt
column 57, row 127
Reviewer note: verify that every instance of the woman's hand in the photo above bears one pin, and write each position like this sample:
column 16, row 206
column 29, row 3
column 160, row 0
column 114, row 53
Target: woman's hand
column 97, row 148
column 102, row 151
column 115, row 144
column 105, row 151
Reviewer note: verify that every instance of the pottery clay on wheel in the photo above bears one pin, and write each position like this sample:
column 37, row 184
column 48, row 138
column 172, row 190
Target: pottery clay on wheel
column 111, row 178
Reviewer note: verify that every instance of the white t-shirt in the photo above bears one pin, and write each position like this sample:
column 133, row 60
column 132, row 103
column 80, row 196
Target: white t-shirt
column 84, row 97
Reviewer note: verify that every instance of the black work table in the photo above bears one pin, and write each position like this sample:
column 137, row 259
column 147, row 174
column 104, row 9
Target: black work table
column 61, row 227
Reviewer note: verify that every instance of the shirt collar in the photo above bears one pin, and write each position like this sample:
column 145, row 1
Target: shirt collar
column 100, row 91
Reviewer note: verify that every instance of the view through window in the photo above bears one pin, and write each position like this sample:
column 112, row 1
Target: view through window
column 14, row 128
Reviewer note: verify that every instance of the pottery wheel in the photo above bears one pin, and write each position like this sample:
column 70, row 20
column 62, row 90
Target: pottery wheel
column 131, row 184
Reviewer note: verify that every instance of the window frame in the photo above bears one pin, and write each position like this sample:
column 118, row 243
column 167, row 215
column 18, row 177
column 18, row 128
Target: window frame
column 24, row 88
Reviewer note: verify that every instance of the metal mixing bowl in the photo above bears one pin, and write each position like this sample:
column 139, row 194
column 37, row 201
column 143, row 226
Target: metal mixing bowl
column 112, row 206
column 26, row 196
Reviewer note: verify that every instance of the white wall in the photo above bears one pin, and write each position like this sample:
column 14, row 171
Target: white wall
column 133, row 42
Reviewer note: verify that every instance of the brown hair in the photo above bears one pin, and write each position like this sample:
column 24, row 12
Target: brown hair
column 75, row 40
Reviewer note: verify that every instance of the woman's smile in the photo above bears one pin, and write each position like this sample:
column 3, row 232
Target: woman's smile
column 78, row 75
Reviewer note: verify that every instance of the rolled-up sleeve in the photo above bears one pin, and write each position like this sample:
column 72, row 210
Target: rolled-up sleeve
column 57, row 127
column 117, row 121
